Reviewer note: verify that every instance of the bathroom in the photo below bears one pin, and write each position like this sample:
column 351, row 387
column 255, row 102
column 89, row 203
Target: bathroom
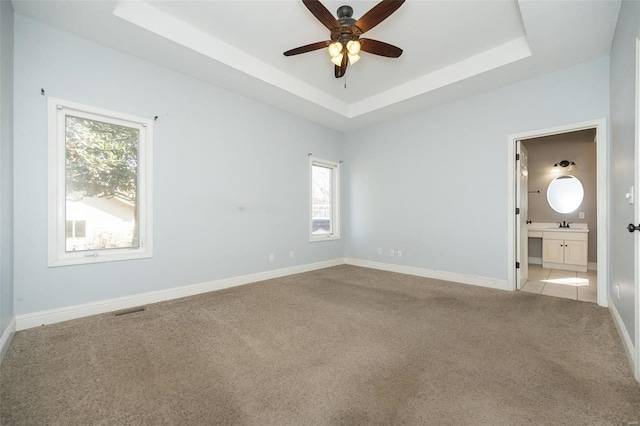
column 562, row 215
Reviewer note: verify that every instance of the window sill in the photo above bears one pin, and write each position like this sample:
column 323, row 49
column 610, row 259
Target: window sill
column 315, row 239
column 97, row 257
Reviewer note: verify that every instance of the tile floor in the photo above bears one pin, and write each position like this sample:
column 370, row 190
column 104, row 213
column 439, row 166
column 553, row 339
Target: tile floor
column 568, row 284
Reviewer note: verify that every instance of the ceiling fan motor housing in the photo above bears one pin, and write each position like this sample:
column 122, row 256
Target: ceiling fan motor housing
column 347, row 30
column 345, row 12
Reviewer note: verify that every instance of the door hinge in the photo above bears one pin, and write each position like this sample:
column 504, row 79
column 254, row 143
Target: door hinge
column 517, row 210
column 517, row 265
column 517, row 157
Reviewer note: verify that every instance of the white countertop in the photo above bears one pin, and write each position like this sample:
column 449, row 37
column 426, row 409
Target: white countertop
column 555, row 227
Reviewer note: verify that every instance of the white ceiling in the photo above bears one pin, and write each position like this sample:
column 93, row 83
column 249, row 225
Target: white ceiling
column 451, row 49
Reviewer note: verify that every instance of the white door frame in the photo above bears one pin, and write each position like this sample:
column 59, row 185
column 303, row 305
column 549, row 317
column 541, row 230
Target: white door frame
column 522, row 201
column 636, row 208
column 602, row 148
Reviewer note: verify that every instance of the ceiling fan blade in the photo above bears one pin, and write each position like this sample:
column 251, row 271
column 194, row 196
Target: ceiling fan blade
column 322, row 14
column 377, row 14
column 340, row 70
column 379, row 48
column 307, row 48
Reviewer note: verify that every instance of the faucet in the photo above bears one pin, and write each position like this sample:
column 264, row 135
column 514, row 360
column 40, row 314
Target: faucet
column 563, row 224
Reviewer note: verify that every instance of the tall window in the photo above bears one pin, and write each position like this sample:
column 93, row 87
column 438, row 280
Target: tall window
column 99, row 185
column 325, row 196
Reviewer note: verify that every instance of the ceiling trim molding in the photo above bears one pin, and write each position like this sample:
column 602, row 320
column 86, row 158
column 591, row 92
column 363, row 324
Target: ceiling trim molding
column 488, row 60
column 152, row 19
column 196, row 41
column 158, row 22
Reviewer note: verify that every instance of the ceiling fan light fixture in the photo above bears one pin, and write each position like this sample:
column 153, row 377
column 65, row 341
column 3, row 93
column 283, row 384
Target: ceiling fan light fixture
column 335, row 49
column 353, row 47
column 345, row 33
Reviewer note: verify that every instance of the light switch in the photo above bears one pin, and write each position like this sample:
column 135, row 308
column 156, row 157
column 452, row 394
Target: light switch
column 581, row 215
column 629, row 195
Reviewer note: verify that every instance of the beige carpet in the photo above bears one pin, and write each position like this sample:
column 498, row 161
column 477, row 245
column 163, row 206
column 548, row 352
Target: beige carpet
column 343, row 345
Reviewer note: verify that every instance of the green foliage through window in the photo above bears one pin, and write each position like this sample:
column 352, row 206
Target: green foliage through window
column 100, row 185
column 101, row 159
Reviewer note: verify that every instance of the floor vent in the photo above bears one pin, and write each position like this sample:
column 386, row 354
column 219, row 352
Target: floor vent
column 130, row 311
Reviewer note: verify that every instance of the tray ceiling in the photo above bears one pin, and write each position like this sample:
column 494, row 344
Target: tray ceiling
column 451, row 49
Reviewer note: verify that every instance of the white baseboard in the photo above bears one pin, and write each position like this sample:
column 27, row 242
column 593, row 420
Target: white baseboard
column 431, row 273
column 7, row 336
column 626, row 339
column 52, row 316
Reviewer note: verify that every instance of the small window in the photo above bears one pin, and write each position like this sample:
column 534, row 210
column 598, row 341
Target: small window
column 99, row 185
column 325, row 196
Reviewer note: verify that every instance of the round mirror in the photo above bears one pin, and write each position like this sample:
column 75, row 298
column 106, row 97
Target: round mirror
column 565, row 194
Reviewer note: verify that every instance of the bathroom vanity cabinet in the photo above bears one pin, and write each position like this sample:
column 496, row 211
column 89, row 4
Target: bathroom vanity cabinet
column 563, row 248
column 565, row 251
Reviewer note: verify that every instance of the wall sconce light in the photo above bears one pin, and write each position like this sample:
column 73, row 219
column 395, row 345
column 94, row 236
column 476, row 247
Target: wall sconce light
column 564, row 166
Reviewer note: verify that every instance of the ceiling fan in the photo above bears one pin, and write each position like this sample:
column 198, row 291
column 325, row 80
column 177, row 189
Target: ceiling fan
column 346, row 44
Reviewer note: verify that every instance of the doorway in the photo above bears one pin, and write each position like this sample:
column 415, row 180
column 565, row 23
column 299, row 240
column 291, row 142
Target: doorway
column 517, row 230
column 557, row 197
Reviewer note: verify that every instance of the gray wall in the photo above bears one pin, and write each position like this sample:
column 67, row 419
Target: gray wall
column 230, row 174
column 6, row 165
column 543, row 153
column 623, row 127
column 434, row 184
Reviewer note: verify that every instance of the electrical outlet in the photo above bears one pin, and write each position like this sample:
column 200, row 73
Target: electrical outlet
column 618, row 290
column 272, row 257
column 380, row 251
column 291, row 254
column 399, row 253
column 392, row 253
column 581, row 215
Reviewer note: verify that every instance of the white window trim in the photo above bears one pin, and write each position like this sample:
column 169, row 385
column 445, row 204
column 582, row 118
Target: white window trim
column 57, row 255
column 335, row 204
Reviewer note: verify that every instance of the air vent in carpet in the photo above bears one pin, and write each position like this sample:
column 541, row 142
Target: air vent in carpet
column 130, row 311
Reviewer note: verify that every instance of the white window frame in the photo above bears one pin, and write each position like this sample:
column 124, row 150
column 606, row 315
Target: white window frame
column 58, row 109
column 335, row 201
